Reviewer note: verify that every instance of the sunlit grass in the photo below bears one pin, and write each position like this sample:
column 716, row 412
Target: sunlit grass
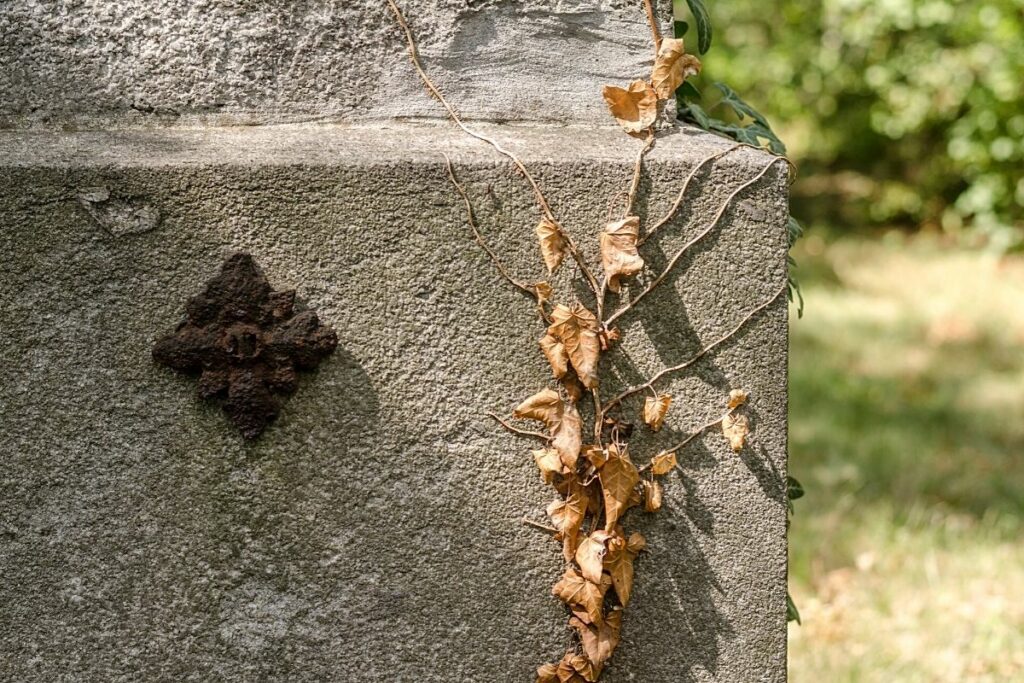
column 907, row 427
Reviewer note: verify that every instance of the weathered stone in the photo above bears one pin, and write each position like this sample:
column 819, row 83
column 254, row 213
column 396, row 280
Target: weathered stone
column 373, row 532
column 214, row 62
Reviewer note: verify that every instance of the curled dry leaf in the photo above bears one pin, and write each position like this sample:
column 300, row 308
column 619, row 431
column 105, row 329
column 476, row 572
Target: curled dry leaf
column 553, row 246
column 590, row 555
column 583, row 597
column 636, row 542
column 619, row 477
column 672, row 67
column 655, row 410
column 735, row 428
column 663, row 463
column 652, row 495
column 544, row 291
column 619, row 256
column 599, row 642
column 595, row 455
column 737, row 397
column 575, row 668
column 568, row 436
column 636, row 108
column 568, row 515
column 556, row 354
column 609, row 337
column 549, row 463
column 576, row 329
column 572, row 385
column 562, row 420
column 618, row 562
column 547, row 673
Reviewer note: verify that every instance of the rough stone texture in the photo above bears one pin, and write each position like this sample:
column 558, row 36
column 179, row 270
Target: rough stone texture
column 373, row 531
column 98, row 63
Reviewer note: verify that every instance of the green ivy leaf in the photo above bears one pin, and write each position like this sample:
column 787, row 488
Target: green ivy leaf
column 738, row 105
column 792, row 613
column 703, row 21
column 697, row 114
column 796, row 231
column 688, row 91
column 679, row 28
column 794, row 490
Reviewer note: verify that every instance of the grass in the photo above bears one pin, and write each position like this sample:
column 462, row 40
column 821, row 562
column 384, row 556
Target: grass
column 907, row 431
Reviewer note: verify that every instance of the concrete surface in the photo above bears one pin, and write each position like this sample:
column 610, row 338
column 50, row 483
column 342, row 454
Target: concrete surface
column 106, row 63
column 373, row 532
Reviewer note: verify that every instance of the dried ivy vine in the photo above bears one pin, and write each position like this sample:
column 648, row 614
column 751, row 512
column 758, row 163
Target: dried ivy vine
column 595, row 477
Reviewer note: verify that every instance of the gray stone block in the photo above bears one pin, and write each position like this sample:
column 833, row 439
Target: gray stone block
column 107, row 63
column 373, row 532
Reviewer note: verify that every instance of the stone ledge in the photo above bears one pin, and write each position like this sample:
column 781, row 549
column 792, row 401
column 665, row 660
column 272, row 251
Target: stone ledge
column 352, row 144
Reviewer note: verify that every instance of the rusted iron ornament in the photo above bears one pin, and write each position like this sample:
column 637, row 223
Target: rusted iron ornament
column 246, row 342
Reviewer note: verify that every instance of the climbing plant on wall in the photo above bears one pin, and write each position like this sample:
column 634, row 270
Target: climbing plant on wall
column 584, row 436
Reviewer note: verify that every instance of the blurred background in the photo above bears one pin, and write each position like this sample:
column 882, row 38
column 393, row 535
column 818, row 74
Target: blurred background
column 906, row 120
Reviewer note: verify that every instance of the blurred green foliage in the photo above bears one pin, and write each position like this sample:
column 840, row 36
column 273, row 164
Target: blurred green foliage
column 908, row 111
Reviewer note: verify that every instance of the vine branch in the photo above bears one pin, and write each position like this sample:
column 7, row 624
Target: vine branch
column 655, row 31
column 697, row 432
column 700, row 354
column 679, row 198
column 679, row 254
column 542, row 201
column 521, row 432
column 479, row 238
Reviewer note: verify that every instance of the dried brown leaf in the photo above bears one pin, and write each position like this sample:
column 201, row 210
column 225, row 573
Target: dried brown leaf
column 671, row 67
column 655, row 410
column 549, row 463
column 545, row 406
column 568, row 436
column 576, row 591
column 568, row 515
column 544, row 291
column 619, row 477
column 553, row 246
column 737, row 397
column 562, row 420
column 619, row 256
column 573, row 387
column 548, row 673
column 663, row 463
column 576, row 328
column 576, row 668
column 652, row 496
column 736, row 428
column 636, row 108
column 599, row 642
column 618, row 562
column 636, row 542
column 590, row 555
column 554, row 351
column 595, row 455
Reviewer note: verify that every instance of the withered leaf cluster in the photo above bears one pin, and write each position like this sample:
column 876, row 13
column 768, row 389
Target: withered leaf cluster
column 636, row 107
column 596, row 484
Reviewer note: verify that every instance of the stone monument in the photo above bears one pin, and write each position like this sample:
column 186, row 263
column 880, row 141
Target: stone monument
column 373, row 531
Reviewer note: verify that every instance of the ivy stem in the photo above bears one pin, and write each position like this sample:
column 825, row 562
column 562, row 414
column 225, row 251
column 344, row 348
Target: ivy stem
column 537, row 525
column 653, row 21
column 682, row 192
column 542, row 201
column 521, row 432
column 679, row 254
column 637, row 168
column 479, row 238
column 696, row 357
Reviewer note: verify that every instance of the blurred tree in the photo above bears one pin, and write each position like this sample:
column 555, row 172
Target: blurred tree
column 911, row 110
